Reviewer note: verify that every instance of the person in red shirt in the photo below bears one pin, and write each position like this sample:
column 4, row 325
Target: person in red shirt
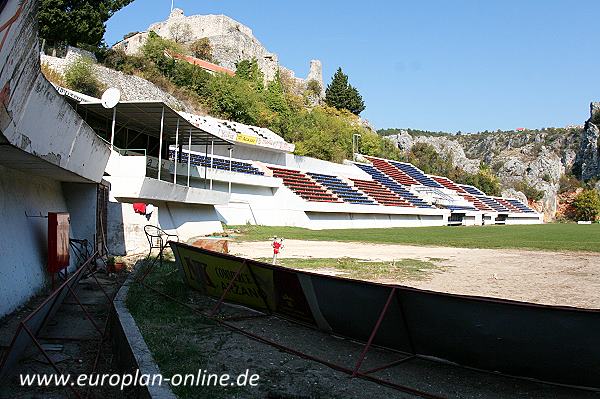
column 277, row 247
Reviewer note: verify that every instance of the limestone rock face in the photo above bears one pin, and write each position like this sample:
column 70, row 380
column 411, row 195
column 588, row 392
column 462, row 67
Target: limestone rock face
column 446, row 147
column 512, row 193
column 588, row 157
column 538, row 158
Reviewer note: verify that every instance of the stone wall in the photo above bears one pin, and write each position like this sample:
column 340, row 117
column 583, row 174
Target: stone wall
column 133, row 88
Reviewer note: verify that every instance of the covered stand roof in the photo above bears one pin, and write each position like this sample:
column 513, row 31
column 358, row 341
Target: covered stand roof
column 145, row 117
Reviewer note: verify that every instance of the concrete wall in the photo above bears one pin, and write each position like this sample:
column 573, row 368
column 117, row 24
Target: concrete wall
column 81, row 200
column 23, row 239
column 126, row 228
column 33, row 116
column 43, row 144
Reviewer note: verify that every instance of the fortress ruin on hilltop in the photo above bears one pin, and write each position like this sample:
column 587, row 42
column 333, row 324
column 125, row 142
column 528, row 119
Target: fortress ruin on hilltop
column 230, row 40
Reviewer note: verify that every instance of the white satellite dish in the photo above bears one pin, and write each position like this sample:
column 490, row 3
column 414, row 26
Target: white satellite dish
column 111, row 97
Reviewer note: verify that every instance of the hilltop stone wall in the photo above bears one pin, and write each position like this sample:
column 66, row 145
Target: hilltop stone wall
column 133, row 88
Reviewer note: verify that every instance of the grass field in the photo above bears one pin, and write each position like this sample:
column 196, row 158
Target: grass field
column 555, row 237
column 399, row 270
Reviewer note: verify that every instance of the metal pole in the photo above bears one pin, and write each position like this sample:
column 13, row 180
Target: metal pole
column 162, row 124
column 176, row 150
column 205, row 168
column 229, row 178
column 212, row 156
column 189, row 157
column 112, row 135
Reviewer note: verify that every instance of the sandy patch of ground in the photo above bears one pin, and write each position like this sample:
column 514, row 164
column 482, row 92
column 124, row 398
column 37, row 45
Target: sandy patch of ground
column 552, row 278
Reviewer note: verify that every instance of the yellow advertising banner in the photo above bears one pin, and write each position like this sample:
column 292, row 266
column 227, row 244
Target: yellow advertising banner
column 212, row 276
column 244, row 138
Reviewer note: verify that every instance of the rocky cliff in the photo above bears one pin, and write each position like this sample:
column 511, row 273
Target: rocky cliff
column 537, row 158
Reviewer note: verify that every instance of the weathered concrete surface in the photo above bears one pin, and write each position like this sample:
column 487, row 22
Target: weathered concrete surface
column 43, row 143
column 33, row 116
column 130, row 348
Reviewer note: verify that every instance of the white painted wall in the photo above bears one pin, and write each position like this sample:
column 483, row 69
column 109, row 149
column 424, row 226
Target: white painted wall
column 24, row 240
column 35, row 118
column 44, row 142
column 126, row 228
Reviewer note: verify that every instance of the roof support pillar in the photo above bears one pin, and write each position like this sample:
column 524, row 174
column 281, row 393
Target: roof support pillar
column 229, row 178
column 160, row 144
column 206, row 167
column 112, row 134
column 189, row 157
column 176, row 152
column 212, row 156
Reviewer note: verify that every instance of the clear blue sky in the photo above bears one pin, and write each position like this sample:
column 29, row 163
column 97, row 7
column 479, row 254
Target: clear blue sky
column 434, row 65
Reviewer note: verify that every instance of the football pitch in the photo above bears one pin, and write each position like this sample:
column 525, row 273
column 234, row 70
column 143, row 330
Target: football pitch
column 551, row 237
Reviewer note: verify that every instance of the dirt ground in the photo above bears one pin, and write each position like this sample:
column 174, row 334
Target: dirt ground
column 288, row 376
column 73, row 338
column 551, row 278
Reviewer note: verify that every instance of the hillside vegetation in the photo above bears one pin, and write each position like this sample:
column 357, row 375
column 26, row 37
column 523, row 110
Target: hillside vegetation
column 320, row 131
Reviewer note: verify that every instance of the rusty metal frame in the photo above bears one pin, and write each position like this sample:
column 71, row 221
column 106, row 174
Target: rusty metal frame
column 103, row 333
column 351, row 372
column 361, row 358
column 45, row 354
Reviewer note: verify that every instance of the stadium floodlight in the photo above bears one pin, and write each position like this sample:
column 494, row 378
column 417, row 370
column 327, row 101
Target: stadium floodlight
column 355, row 139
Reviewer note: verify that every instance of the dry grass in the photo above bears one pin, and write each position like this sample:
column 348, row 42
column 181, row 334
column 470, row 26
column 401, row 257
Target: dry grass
column 52, row 75
column 397, row 270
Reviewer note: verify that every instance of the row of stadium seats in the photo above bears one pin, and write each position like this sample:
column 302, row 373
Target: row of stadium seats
column 393, row 186
column 345, row 192
column 217, row 163
column 518, row 204
column 477, row 203
column 303, row 185
column 385, row 167
column 471, row 190
column 416, row 174
column 386, row 171
column 449, row 184
column 380, row 193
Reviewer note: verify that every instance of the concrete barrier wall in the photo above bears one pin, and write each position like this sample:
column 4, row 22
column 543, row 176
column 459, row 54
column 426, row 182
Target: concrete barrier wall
column 45, row 150
column 33, row 116
column 24, row 201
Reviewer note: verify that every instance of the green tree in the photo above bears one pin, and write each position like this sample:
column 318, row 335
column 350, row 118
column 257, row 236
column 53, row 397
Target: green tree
column 249, row 70
column 484, row 179
column 76, row 22
column 587, row 205
column 314, row 87
column 341, row 95
column 274, row 96
column 202, row 49
column 425, row 157
column 80, row 76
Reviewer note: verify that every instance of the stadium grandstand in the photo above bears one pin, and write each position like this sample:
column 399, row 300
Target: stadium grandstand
column 200, row 172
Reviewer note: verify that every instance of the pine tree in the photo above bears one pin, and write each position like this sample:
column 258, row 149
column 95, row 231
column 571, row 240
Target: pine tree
column 355, row 104
column 76, row 22
column 341, row 95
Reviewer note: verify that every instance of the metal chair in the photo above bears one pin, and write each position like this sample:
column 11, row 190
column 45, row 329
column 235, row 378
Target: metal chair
column 158, row 238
